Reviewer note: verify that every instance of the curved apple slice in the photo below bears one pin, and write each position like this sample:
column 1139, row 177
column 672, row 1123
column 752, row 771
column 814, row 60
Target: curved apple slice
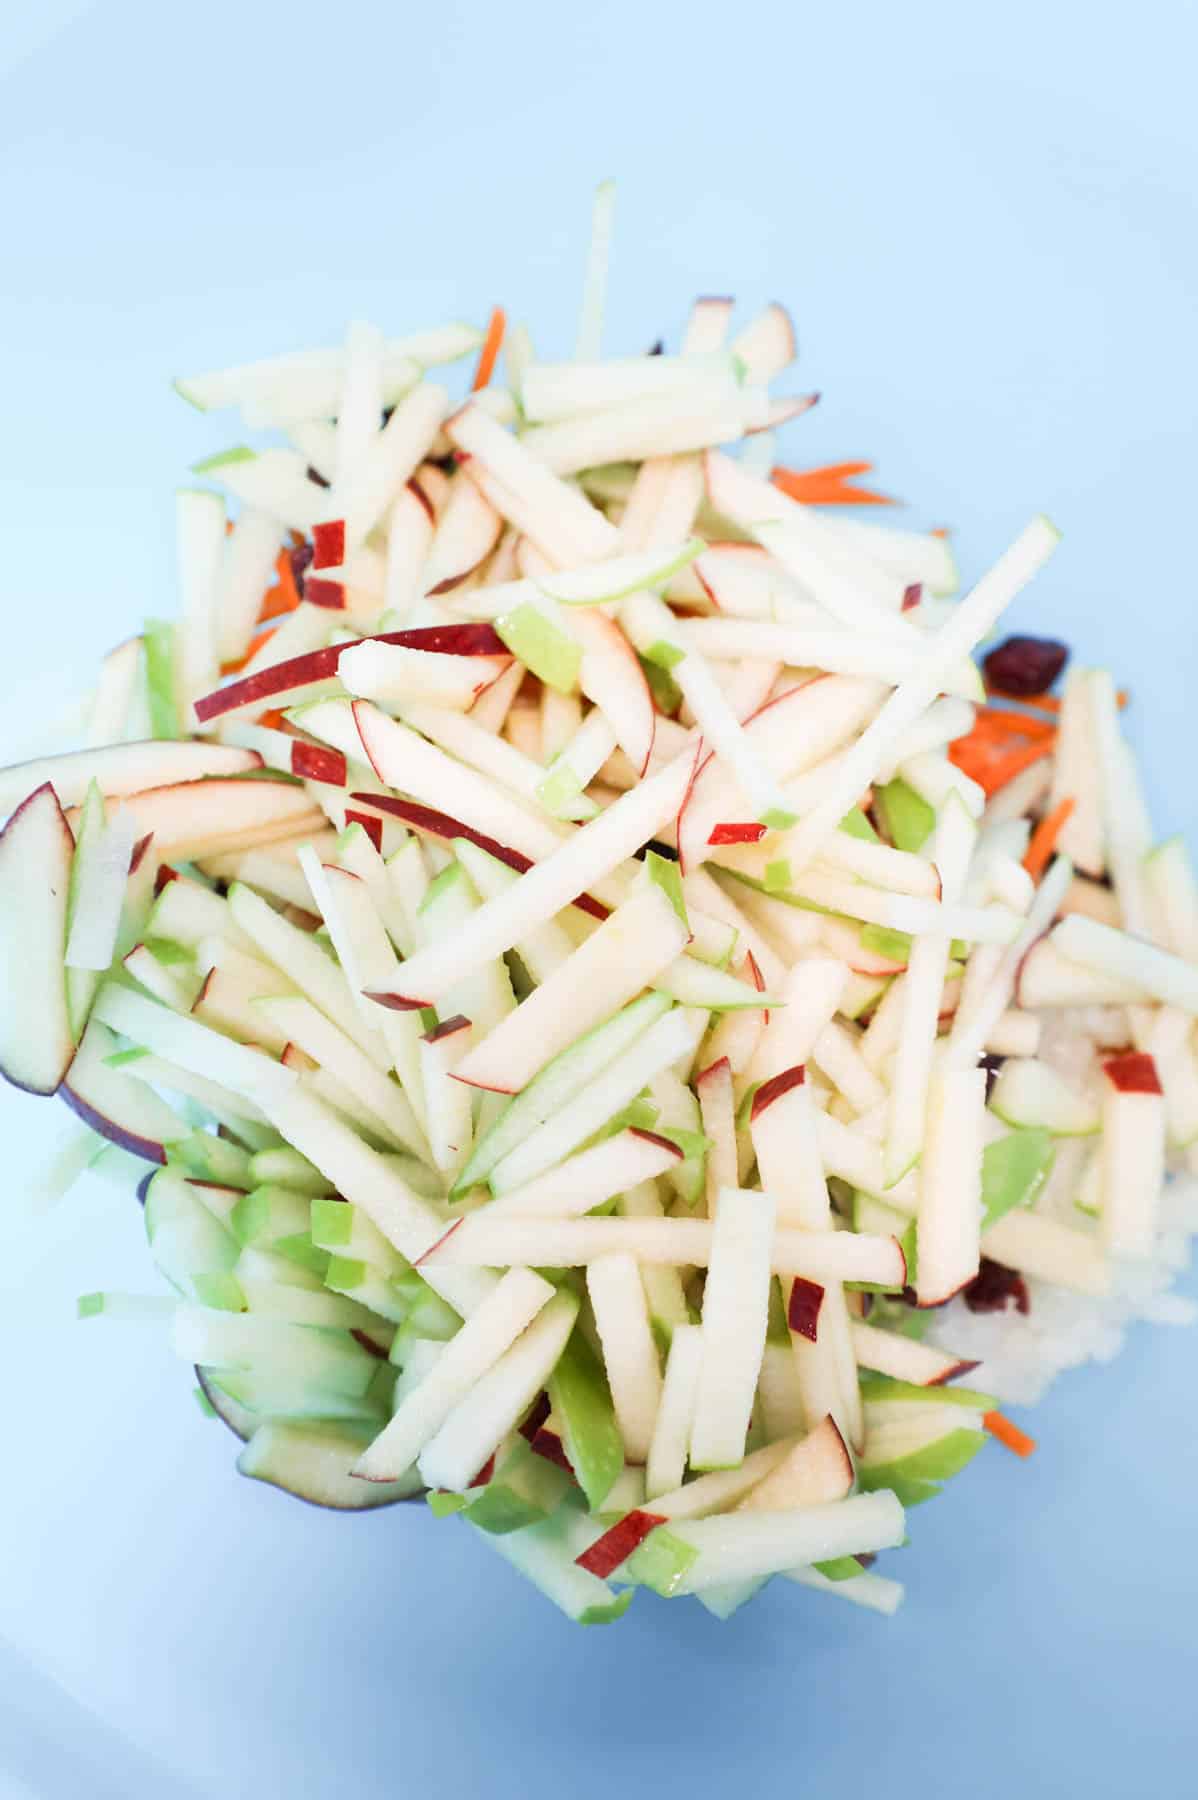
column 465, row 535
column 119, row 769
column 36, row 849
column 120, row 1108
column 190, row 819
column 792, row 733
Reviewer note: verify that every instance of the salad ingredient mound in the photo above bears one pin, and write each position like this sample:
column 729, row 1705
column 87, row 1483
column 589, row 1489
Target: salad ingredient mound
column 610, row 1010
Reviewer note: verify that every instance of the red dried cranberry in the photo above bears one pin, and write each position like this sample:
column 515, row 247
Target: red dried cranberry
column 995, row 1287
column 1024, row 666
column 301, row 559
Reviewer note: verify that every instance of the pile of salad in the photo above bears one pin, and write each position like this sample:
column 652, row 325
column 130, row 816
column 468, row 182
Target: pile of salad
column 599, row 992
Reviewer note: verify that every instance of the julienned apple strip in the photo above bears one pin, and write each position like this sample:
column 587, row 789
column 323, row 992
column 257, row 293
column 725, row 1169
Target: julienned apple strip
column 589, row 1177
column 593, row 852
column 121, row 769
column 372, row 1183
column 973, row 618
column 641, row 938
column 491, row 1328
column 571, row 1243
column 735, row 1315
column 739, row 1546
column 672, row 1039
column 480, row 1421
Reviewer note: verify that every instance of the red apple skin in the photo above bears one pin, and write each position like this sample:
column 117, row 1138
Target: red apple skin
column 371, row 826
column 617, row 1545
column 713, row 1069
column 653, row 1137
column 803, row 1308
column 447, row 1028
column 415, row 489
column 396, row 1002
column 317, row 762
column 952, row 1373
column 549, row 1445
column 485, row 1473
column 328, row 546
column 465, row 638
column 240, row 1421
column 775, row 1087
column 1133, row 1073
column 443, row 1239
column 146, row 1148
column 441, row 825
column 733, row 833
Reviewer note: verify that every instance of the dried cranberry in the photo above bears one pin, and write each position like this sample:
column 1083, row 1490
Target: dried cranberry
column 995, row 1287
column 301, row 558
column 1024, row 666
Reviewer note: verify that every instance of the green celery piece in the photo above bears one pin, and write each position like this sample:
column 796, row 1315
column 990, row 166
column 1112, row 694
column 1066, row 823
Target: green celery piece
column 430, row 1317
column 582, row 1402
column 267, row 1213
column 89, row 1306
column 660, row 1561
column 886, row 1387
column 300, row 1250
column 158, row 637
column 777, row 876
column 664, row 655
column 855, row 824
column 558, row 1082
column 664, row 871
column 205, row 1405
column 207, row 1157
column 543, row 647
column 935, row 1462
column 667, row 695
column 221, row 1292
column 443, row 1505
column 882, row 941
column 777, row 818
column 908, row 818
column 839, row 1568
column 344, row 1273
column 524, row 1489
column 1014, row 1169
column 332, row 1223
column 82, row 985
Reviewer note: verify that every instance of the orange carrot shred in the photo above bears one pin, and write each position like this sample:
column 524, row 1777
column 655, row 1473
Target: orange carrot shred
column 1044, row 837
column 1000, row 1427
column 991, row 763
column 828, row 486
column 284, row 596
column 271, row 719
column 234, row 668
column 487, row 356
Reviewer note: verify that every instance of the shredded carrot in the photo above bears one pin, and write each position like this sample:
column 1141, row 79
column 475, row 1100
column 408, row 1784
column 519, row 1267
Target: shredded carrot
column 999, row 725
column 940, row 531
column 829, row 486
column 1044, row 837
column 284, row 596
column 272, row 718
column 1000, row 1427
column 234, row 668
column 487, row 356
column 992, row 760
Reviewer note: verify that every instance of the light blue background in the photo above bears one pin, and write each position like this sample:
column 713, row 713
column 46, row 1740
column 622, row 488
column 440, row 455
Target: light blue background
column 984, row 219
